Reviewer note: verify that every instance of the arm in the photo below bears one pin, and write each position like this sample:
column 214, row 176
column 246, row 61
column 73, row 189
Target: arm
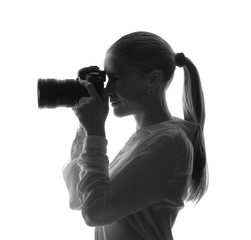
column 158, row 172
column 71, row 170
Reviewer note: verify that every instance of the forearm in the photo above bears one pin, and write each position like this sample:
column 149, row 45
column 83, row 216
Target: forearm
column 71, row 170
column 94, row 174
column 71, row 177
column 77, row 145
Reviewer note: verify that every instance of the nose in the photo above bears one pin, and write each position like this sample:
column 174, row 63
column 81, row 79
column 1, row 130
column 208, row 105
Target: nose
column 109, row 89
column 110, row 95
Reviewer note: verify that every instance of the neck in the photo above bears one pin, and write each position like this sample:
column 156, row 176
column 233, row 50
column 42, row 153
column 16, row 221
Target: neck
column 153, row 115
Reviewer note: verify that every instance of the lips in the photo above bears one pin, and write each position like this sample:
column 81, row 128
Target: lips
column 115, row 102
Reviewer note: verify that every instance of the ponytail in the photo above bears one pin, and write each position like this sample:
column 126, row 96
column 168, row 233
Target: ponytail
column 194, row 111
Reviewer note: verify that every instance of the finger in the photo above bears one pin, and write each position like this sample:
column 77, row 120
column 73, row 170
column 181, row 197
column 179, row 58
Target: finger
column 83, row 99
column 90, row 88
column 75, row 110
column 81, row 102
column 79, row 105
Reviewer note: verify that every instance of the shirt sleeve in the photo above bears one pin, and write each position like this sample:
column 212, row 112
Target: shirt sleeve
column 71, row 170
column 158, row 172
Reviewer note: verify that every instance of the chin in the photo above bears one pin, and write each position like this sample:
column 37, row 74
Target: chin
column 121, row 113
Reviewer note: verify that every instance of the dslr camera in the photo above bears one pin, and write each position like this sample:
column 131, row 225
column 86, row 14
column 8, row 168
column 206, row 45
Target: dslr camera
column 54, row 93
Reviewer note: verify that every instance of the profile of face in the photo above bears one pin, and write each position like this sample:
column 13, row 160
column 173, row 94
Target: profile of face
column 127, row 87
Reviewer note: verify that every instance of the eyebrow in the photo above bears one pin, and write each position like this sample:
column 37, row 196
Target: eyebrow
column 113, row 74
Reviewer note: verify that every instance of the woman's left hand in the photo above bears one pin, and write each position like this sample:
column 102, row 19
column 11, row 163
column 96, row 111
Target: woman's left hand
column 92, row 111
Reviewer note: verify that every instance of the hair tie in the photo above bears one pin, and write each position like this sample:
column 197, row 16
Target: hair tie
column 180, row 59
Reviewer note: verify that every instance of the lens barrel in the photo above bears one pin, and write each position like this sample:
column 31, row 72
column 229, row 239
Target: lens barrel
column 54, row 93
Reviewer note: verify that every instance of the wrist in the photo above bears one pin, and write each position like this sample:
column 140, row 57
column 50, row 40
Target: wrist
column 95, row 143
column 96, row 132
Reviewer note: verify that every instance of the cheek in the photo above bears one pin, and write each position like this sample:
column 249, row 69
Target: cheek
column 131, row 94
column 121, row 90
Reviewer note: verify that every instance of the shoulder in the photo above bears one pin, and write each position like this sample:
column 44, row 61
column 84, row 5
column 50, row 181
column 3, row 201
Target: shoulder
column 177, row 141
column 172, row 137
column 173, row 143
column 166, row 151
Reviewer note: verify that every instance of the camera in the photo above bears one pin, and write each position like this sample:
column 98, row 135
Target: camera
column 54, row 93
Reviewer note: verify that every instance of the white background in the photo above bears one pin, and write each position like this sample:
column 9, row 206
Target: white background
column 53, row 39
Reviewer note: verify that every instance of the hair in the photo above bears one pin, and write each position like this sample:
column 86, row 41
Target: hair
column 149, row 51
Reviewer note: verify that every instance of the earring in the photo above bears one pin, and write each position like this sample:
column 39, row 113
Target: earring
column 151, row 91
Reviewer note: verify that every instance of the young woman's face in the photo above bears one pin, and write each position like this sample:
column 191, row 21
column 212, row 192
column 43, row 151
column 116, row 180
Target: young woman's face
column 126, row 87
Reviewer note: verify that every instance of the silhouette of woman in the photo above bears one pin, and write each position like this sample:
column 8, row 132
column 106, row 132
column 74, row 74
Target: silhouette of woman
column 162, row 165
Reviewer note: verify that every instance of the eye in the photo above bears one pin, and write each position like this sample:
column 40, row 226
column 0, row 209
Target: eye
column 113, row 76
column 113, row 79
column 110, row 81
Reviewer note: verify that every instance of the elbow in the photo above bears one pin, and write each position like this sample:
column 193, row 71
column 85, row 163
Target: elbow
column 93, row 219
column 89, row 222
column 89, row 219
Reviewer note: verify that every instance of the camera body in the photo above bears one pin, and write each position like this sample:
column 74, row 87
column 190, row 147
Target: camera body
column 54, row 93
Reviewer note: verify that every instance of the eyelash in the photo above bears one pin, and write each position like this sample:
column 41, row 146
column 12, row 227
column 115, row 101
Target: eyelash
column 113, row 79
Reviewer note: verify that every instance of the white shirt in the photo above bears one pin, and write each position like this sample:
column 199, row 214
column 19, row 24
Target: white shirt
column 138, row 195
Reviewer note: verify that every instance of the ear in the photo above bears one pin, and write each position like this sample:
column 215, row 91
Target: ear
column 155, row 78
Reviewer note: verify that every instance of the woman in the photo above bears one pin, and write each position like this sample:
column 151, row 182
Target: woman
column 163, row 164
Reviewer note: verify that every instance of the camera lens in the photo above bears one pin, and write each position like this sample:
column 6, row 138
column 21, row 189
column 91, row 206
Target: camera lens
column 54, row 93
